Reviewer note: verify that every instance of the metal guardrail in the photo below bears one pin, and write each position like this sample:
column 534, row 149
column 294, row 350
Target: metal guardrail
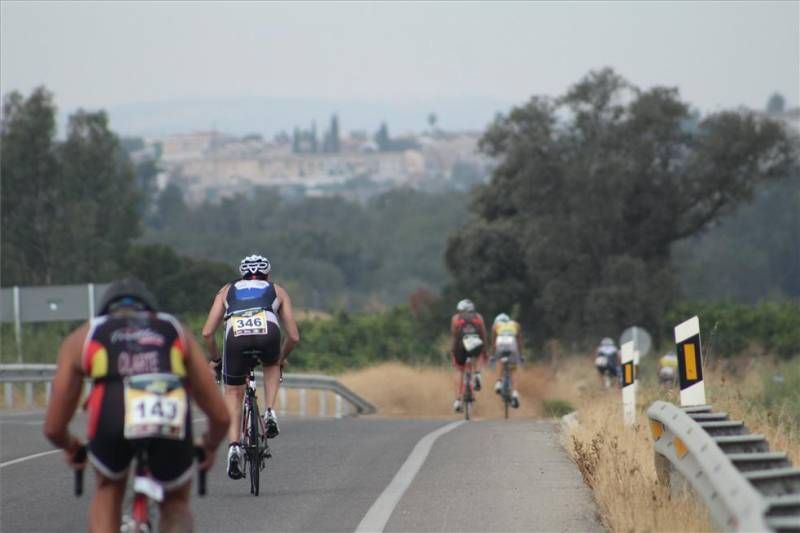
column 28, row 375
column 744, row 485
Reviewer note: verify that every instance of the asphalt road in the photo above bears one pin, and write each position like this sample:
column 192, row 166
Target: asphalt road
column 327, row 474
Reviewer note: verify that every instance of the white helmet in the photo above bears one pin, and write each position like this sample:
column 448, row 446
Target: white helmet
column 607, row 342
column 502, row 317
column 465, row 306
column 254, row 264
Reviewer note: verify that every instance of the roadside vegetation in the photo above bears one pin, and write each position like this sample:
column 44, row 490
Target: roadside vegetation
column 617, row 462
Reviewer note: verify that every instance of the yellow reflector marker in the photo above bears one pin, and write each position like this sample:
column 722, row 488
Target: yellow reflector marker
column 657, row 429
column 628, row 377
column 691, row 361
column 680, row 447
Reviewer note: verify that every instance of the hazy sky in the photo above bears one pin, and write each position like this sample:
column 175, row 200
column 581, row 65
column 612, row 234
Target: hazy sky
column 94, row 54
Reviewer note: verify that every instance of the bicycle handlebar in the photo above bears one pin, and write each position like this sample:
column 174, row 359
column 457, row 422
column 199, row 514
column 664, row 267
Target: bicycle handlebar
column 80, row 457
column 200, row 453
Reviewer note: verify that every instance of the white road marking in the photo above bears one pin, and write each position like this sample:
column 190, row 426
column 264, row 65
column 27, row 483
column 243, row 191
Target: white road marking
column 378, row 515
column 26, row 458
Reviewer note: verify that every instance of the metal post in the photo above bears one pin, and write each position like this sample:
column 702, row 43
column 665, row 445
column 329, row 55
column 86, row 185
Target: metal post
column 8, row 389
column 338, row 406
column 17, row 323
column 323, row 403
column 28, row 394
column 628, row 384
column 48, row 391
column 90, row 290
column 302, row 393
column 282, row 403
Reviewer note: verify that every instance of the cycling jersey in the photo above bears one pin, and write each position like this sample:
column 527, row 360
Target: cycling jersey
column 505, row 339
column 468, row 330
column 252, row 330
column 138, row 347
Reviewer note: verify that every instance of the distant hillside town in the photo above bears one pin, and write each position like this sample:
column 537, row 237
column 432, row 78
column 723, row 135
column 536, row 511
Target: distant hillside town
column 210, row 165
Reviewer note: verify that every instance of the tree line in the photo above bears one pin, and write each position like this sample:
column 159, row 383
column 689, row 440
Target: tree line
column 610, row 205
column 592, row 191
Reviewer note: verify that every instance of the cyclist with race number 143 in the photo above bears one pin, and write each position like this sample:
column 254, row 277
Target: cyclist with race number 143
column 129, row 340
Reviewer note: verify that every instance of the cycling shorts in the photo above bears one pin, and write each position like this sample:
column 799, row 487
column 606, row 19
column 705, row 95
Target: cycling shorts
column 461, row 354
column 171, row 462
column 242, row 353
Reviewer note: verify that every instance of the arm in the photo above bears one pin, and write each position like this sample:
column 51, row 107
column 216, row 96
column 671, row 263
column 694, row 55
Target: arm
column 67, row 385
column 286, row 313
column 453, row 335
column 207, row 396
column 215, row 315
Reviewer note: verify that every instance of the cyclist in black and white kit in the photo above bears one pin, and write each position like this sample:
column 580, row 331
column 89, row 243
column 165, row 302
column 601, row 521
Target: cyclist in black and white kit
column 251, row 308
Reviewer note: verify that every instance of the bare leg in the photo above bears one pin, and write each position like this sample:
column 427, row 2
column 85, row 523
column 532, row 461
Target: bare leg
column 176, row 517
column 459, row 381
column 105, row 512
column 272, row 382
column 233, row 400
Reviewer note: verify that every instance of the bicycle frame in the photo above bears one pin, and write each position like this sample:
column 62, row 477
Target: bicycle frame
column 505, row 390
column 467, row 394
column 253, row 436
column 145, row 488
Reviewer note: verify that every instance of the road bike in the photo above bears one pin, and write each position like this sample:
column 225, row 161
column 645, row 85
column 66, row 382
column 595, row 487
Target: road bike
column 505, row 382
column 145, row 488
column 253, row 435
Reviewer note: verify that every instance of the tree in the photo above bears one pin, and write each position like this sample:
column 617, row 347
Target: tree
column 69, row 209
column 30, row 187
column 99, row 200
column 591, row 190
column 776, row 103
column 382, row 137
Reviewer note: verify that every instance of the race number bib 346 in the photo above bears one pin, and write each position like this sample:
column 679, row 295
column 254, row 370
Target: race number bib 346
column 155, row 407
column 471, row 342
column 250, row 324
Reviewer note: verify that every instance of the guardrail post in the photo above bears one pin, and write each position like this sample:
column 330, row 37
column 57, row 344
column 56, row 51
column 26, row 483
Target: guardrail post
column 323, row 403
column 302, row 393
column 282, row 401
column 338, row 413
column 690, row 362
column 628, row 383
column 28, row 394
column 8, row 389
column 48, row 391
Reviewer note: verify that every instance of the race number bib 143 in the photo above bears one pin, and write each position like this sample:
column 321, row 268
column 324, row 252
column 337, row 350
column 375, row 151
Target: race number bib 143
column 471, row 342
column 155, row 407
column 253, row 324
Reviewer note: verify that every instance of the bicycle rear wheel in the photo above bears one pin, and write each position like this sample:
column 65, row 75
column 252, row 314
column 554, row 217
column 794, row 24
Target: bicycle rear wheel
column 254, row 451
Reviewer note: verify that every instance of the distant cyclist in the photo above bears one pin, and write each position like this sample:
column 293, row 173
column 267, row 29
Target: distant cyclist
column 607, row 360
column 251, row 307
column 668, row 369
column 128, row 339
column 507, row 342
column 467, row 339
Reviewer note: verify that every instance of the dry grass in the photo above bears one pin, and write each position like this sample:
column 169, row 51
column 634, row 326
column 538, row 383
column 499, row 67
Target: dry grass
column 401, row 390
column 617, row 463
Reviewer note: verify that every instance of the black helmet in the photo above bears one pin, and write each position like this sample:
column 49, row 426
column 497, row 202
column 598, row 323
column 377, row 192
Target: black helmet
column 128, row 288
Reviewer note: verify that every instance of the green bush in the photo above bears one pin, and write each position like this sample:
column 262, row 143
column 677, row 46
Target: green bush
column 557, row 408
column 729, row 329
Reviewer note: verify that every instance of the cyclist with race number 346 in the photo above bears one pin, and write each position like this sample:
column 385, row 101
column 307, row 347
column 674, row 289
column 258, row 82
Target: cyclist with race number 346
column 251, row 307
